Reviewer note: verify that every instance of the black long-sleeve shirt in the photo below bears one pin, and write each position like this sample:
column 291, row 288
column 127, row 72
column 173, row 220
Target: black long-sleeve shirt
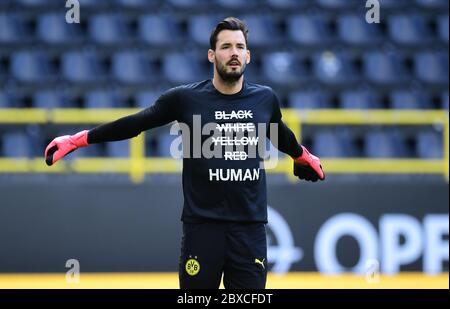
column 230, row 186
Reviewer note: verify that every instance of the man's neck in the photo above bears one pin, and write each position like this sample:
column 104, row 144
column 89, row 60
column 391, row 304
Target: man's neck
column 227, row 88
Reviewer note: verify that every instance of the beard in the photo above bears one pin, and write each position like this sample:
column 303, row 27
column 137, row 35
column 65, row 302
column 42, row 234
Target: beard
column 229, row 77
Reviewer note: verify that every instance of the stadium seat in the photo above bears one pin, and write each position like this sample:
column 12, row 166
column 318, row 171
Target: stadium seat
column 445, row 100
column 237, row 4
column 35, row 3
column 138, row 4
column 309, row 99
column 51, row 99
column 287, row 4
column 432, row 67
column 360, row 99
column 406, row 99
column 353, row 29
column 12, row 28
column 384, row 68
column 332, row 68
column 150, row 144
column 103, row 99
column 263, row 30
column 9, row 97
column 94, row 4
column 189, row 4
column 443, row 28
column 31, row 66
column 36, row 140
column 282, row 68
column 53, row 28
column 334, row 144
column 118, row 149
column 159, row 30
column 385, row 144
column 15, row 145
column 164, row 140
column 146, row 98
column 183, row 68
column 326, row 144
column 134, row 67
column 393, row 4
column 339, row 4
column 109, row 29
column 409, row 29
column 84, row 66
column 253, row 71
column 4, row 100
column 308, row 29
column 433, row 4
column 6, row 3
column 429, row 144
column 200, row 27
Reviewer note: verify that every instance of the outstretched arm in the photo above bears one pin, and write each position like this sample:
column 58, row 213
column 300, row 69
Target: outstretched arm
column 306, row 165
column 162, row 112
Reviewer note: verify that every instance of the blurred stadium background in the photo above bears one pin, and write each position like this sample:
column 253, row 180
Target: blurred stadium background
column 370, row 99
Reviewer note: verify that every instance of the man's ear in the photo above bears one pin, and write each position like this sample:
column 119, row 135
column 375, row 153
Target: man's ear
column 211, row 55
column 248, row 58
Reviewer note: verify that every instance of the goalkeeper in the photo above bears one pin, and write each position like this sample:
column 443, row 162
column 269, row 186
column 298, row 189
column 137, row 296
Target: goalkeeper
column 225, row 198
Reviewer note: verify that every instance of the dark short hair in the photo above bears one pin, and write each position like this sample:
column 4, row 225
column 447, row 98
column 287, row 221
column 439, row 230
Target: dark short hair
column 229, row 23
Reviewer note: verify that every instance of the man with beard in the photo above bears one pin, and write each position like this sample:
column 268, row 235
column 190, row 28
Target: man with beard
column 225, row 200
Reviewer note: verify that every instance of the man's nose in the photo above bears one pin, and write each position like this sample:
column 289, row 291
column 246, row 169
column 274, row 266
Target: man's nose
column 234, row 52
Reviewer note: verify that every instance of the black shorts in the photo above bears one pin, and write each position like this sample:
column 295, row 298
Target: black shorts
column 236, row 250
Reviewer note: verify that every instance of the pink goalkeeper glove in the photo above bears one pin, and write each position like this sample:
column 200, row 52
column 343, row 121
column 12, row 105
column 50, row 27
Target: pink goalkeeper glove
column 307, row 166
column 63, row 145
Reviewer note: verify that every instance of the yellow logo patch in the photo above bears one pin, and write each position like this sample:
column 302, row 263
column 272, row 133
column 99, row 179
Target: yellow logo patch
column 192, row 267
column 258, row 261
